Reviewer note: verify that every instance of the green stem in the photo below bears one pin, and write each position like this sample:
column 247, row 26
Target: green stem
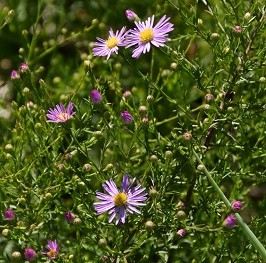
column 244, row 227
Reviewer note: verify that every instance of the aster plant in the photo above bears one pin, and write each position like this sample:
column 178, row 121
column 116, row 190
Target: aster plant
column 119, row 201
column 146, row 34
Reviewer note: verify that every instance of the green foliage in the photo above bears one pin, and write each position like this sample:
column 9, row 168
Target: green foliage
column 204, row 91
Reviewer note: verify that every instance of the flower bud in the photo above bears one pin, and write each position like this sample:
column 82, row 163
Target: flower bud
column 168, row 155
column 153, row 192
column 150, row 98
column 5, row 232
column 8, row 147
column 131, row 16
column 102, row 242
column 187, row 136
column 96, row 96
column 126, row 117
column 154, row 158
column 30, row 254
column 236, row 206
column 200, row 167
column 230, row 221
column 86, row 167
column 181, row 232
column 149, row 225
column 16, row 255
column 181, row 214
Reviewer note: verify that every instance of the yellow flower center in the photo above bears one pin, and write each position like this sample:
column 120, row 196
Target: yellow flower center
column 120, row 199
column 146, row 35
column 52, row 253
column 63, row 116
column 112, row 42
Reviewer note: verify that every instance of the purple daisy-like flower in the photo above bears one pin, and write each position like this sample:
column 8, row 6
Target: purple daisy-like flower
column 105, row 47
column 30, row 254
column 118, row 202
column 53, row 250
column 60, row 113
column 146, row 34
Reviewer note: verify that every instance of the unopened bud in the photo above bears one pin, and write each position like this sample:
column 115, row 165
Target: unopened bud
column 153, row 158
column 86, row 167
column 153, row 192
column 201, row 167
column 16, row 255
column 149, row 225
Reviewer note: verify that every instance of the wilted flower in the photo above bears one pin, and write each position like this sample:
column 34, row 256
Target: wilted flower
column 107, row 47
column 146, row 34
column 53, row 250
column 118, row 202
column 236, row 206
column 126, row 116
column 96, row 96
column 60, row 113
column 181, row 232
column 9, row 214
column 131, row 16
column 69, row 217
column 30, row 254
column 14, row 74
column 230, row 221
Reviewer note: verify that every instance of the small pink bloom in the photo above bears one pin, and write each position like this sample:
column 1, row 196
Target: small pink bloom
column 69, row 217
column 230, row 221
column 23, row 67
column 96, row 96
column 181, row 232
column 126, row 117
column 30, row 254
column 14, row 74
column 236, row 206
column 9, row 214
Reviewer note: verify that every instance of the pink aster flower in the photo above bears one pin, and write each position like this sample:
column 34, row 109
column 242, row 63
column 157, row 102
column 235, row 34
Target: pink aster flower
column 30, row 254
column 107, row 47
column 118, row 202
column 60, row 113
column 53, row 250
column 146, row 34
